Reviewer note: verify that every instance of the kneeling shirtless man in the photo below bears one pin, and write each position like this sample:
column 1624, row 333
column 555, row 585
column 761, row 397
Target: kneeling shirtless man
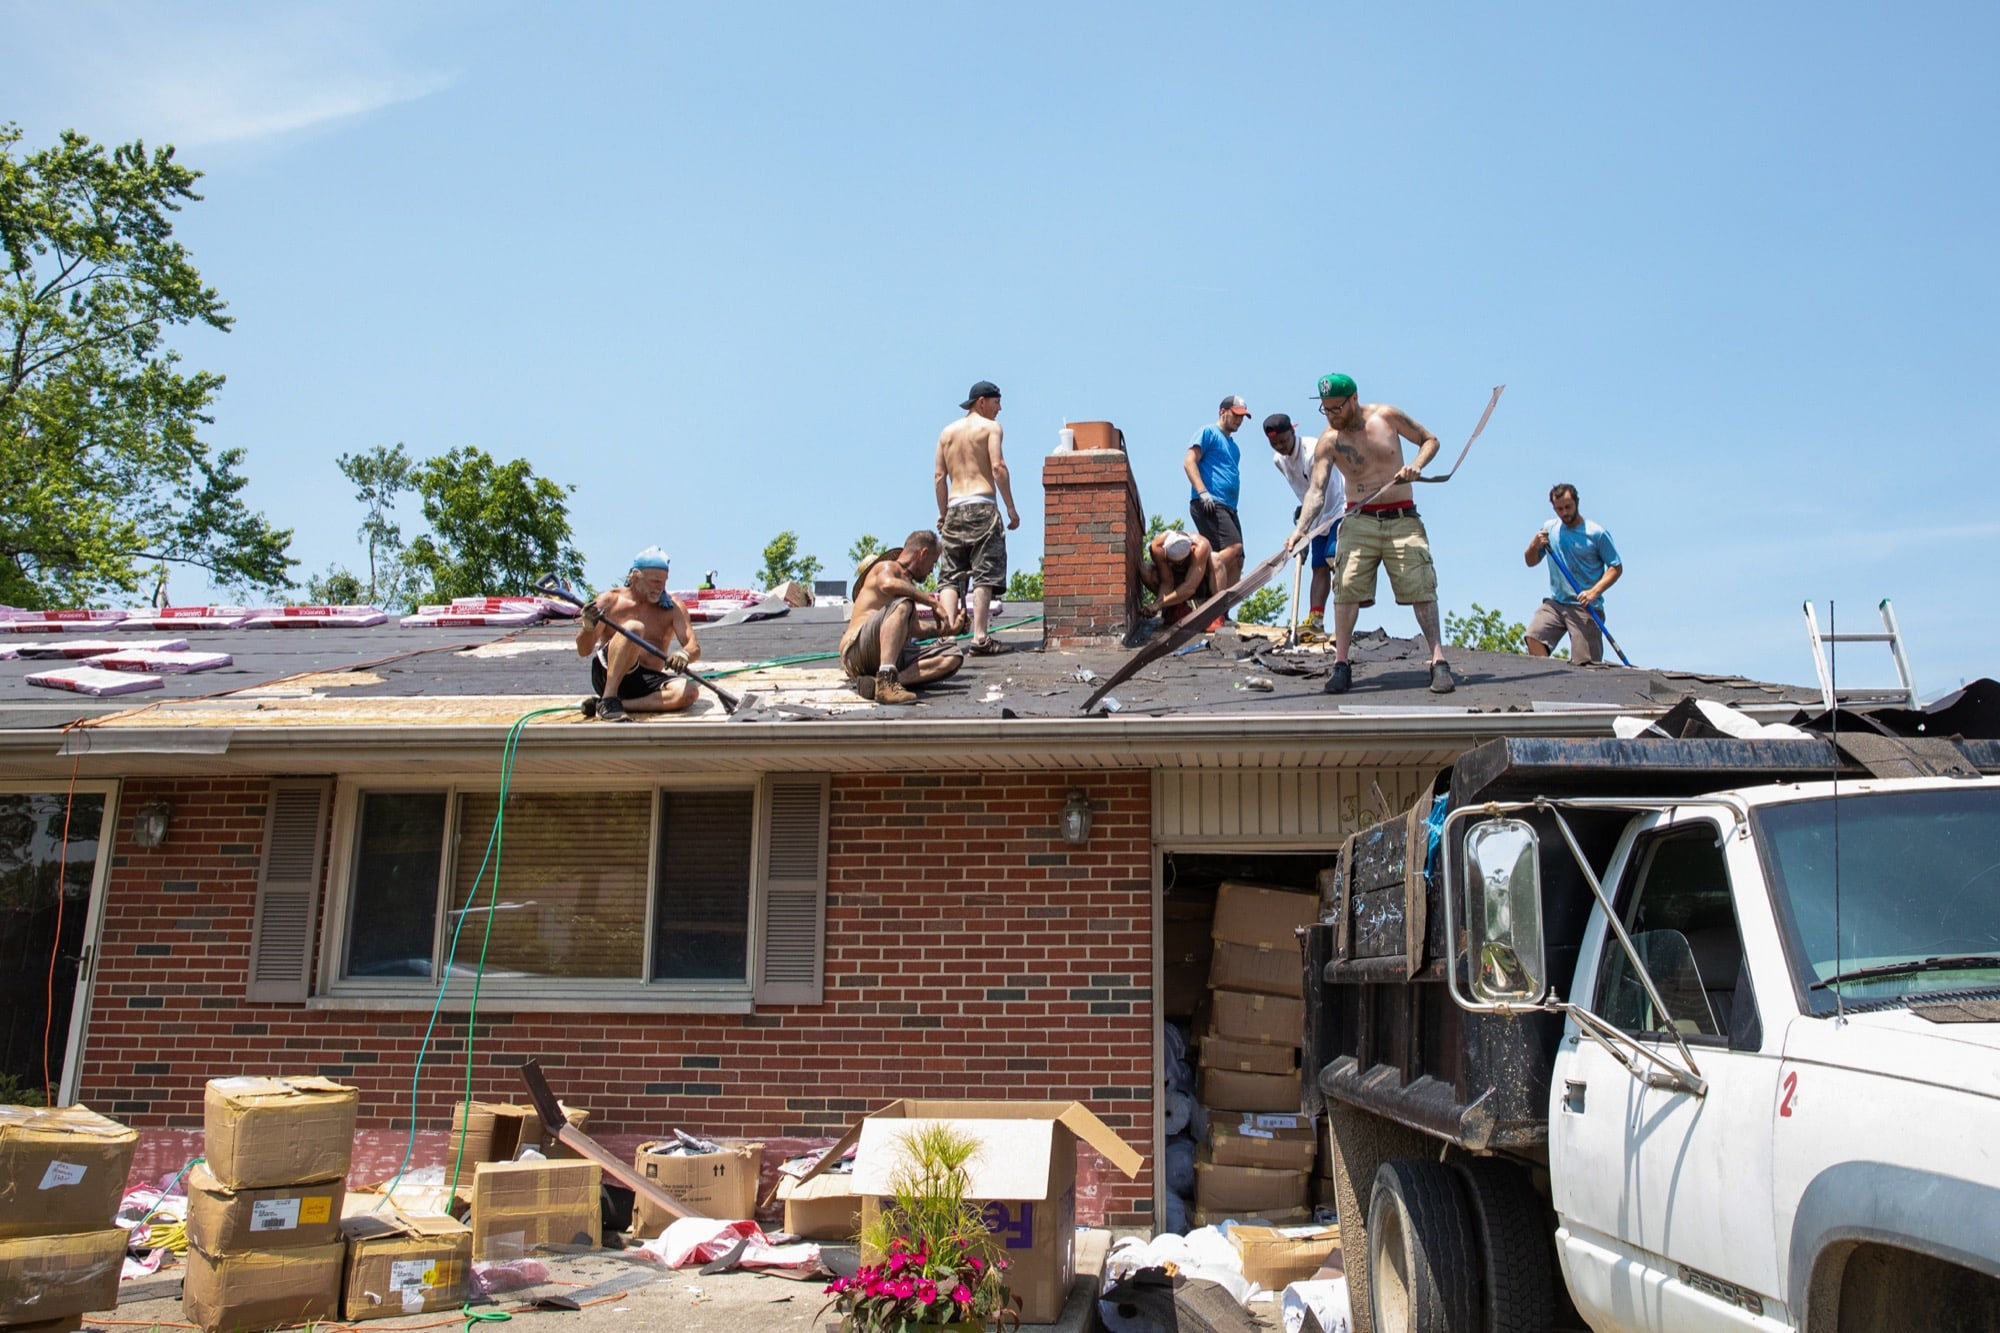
column 878, row 650
column 626, row 677
column 1365, row 443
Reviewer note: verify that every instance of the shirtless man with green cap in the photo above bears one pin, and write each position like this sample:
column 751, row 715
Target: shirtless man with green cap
column 1365, row 442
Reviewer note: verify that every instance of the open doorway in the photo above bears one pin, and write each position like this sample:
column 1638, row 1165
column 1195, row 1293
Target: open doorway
column 1231, row 1034
column 49, row 851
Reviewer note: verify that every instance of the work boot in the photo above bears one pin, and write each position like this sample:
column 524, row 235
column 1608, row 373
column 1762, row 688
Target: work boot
column 612, row 710
column 1342, row 679
column 889, row 690
column 1441, row 681
column 1313, row 631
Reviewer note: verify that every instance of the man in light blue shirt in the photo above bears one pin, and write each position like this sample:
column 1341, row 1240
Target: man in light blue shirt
column 1585, row 550
column 1213, row 484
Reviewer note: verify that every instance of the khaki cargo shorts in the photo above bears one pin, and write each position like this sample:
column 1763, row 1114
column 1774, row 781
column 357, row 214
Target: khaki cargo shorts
column 1553, row 619
column 1368, row 542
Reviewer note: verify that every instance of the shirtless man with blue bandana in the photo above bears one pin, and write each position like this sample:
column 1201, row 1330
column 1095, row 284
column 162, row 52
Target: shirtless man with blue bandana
column 627, row 678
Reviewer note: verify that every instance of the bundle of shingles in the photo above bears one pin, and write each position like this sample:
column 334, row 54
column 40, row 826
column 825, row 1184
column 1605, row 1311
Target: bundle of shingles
column 108, row 667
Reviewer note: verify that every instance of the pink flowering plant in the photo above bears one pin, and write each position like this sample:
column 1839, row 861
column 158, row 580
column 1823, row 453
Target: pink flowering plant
column 932, row 1261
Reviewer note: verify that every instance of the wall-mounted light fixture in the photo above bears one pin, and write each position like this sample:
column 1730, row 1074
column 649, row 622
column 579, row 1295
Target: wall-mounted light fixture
column 149, row 823
column 1076, row 818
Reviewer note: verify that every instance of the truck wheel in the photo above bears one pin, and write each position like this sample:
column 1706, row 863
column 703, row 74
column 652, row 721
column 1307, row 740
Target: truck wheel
column 1516, row 1263
column 1423, row 1274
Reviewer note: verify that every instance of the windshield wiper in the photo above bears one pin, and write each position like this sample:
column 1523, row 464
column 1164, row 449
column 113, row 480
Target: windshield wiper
column 1939, row 963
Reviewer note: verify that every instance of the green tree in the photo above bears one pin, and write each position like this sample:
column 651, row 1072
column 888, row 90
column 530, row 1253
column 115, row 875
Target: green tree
column 1025, row 587
column 784, row 564
column 1488, row 631
column 865, row 545
column 336, row 587
column 1155, row 525
column 495, row 527
column 381, row 473
column 1263, row 607
column 104, row 475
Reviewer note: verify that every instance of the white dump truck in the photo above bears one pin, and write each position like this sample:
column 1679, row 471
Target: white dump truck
column 1669, row 1035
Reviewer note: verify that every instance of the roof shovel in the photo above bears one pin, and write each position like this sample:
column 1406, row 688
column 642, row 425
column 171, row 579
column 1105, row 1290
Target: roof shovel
column 551, row 586
column 1591, row 607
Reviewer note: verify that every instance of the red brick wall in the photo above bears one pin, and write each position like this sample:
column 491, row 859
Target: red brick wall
column 970, row 953
column 1093, row 529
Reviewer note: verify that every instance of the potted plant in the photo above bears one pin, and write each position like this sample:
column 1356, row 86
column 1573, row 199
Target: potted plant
column 929, row 1261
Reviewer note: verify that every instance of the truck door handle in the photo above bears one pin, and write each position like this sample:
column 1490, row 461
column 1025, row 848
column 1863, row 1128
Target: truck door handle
column 1573, row 1090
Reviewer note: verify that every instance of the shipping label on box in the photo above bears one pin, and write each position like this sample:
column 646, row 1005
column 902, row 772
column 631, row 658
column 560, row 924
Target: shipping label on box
column 1266, row 969
column 718, row 1184
column 277, row 1131
column 276, row 1217
column 62, row 1169
column 1026, row 1163
column 1272, row 1020
column 262, row 1288
column 52, row 1277
column 517, row 1207
column 398, row 1264
column 1228, row 1090
column 1248, row 1057
column 1254, row 915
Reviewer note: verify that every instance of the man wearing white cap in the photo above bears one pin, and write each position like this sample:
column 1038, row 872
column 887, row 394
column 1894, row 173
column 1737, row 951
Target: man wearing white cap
column 1180, row 573
column 625, row 676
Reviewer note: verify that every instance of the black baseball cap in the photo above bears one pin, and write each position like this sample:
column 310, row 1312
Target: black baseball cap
column 983, row 389
column 1276, row 422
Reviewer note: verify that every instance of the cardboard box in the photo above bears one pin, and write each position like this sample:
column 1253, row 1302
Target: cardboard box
column 262, row 1288
column 1279, row 1142
column 1269, row 1217
column 1274, row 1257
column 402, row 1264
column 276, row 1217
column 720, row 1184
column 1247, row 1057
column 822, row 1208
column 1266, row 969
column 1229, row 1090
column 278, row 1131
column 54, row 1277
column 1238, row 1190
column 1254, row 915
column 69, row 1323
column 1270, row 1020
column 1024, row 1173
column 519, row 1206
column 494, row 1131
column 62, row 1169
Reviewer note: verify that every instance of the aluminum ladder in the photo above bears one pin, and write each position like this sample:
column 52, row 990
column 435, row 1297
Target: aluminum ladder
column 1905, row 695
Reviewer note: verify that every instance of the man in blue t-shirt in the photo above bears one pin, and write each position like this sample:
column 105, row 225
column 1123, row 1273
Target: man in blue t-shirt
column 1586, row 550
column 1210, row 464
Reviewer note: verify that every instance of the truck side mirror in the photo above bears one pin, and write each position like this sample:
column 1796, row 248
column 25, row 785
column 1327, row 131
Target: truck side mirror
column 1503, row 913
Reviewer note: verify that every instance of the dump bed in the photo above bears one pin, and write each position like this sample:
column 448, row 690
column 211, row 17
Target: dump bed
column 1381, row 1029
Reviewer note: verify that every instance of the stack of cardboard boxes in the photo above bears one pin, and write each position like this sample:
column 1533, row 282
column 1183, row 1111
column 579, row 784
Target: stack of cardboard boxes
column 264, row 1205
column 62, row 1173
column 1257, row 1161
column 721, row 1184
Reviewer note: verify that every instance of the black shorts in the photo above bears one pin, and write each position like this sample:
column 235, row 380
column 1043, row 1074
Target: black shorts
column 1222, row 531
column 638, row 683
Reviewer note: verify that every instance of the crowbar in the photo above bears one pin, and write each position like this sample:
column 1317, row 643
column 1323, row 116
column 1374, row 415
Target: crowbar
column 552, row 586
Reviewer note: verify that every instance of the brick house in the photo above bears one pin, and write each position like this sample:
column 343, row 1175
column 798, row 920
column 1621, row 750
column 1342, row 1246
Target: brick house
column 756, row 928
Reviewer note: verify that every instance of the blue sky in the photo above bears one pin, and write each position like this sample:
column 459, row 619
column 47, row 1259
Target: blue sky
column 727, row 270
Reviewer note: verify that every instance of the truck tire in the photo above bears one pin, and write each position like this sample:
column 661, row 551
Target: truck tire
column 1423, row 1264
column 1516, row 1260
column 1357, row 1143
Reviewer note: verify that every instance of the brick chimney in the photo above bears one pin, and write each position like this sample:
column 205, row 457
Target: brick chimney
column 1093, row 531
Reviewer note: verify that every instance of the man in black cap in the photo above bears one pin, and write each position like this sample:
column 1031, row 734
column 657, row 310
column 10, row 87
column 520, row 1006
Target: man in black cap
column 969, row 470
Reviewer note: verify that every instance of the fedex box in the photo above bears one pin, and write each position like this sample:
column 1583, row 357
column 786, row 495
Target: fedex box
column 1024, row 1173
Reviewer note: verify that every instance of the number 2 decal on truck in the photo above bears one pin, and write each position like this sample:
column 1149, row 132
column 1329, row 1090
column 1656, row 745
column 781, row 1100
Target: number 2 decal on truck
column 1790, row 1084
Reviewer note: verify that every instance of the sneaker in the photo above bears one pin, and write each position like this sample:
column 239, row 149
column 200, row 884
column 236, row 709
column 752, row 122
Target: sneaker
column 612, row 710
column 889, row 690
column 1342, row 679
column 1441, row 681
column 588, row 707
column 1310, row 633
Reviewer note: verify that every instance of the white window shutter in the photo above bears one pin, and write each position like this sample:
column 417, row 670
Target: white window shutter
column 791, row 930
column 281, row 938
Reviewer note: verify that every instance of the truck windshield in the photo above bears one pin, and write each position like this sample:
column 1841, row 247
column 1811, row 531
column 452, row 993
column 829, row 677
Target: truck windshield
column 1919, row 891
